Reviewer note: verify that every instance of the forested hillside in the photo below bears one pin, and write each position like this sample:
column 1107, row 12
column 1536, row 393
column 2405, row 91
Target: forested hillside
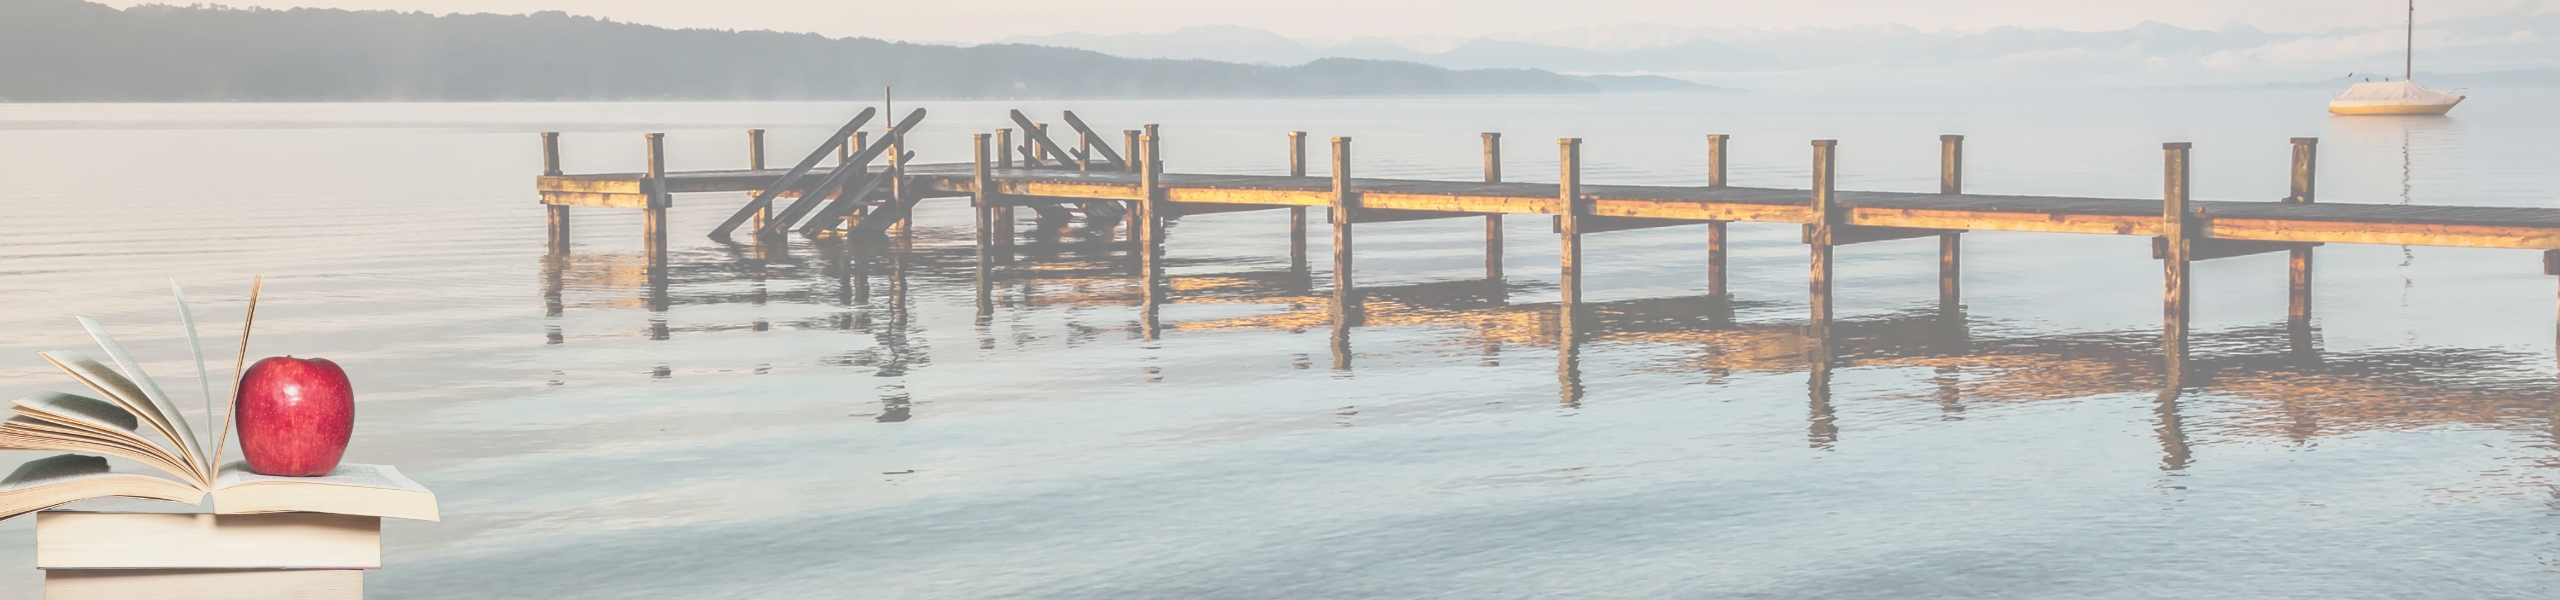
column 68, row 50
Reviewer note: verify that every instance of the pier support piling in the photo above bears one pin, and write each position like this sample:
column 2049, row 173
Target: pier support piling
column 557, row 214
column 982, row 198
column 1129, row 140
column 1716, row 256
column 653, row 218
column 1298, row 214
column 2551, row 266
column 1951, row 244
column 1569, row 223
column 1493, row 222
column 2305, row 163
column 1715, row 229
column 1151, row 226
column 1826, row 217
column 1004, row 214
column 2177, row 226
column 755, row 162
column 1346, row 299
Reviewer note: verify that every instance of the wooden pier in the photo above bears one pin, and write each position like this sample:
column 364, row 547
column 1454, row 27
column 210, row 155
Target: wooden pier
column 1093, row 182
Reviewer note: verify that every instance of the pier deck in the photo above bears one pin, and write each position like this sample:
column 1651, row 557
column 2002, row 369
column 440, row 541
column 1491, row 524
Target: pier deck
column 1404, row 199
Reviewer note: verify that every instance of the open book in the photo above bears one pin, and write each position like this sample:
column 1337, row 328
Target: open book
column 136, row 421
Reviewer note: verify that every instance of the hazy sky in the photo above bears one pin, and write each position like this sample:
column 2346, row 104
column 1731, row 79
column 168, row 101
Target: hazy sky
column 982, row 20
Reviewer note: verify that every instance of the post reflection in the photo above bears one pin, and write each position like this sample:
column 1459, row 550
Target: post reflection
column 2171, row 429
column 2273, row 380
column 1822, row 426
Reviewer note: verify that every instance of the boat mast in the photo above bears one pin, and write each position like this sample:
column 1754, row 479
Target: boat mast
column 2409, row 56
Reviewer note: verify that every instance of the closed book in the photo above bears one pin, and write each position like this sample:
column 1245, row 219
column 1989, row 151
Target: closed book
column 203, row 584
column 113, row 540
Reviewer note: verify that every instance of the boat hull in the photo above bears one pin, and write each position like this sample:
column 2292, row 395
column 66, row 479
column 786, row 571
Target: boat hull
column 2393, row 109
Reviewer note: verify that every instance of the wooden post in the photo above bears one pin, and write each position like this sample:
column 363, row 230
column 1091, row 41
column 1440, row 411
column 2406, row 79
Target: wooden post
column 2305, row 163
column 982, row 195
column 755, row 162
column 1298, row 214
column 863, row 139
column 1084, row 152
column 1346, row 300
column 897, row 185
column 1715, row 229
column 1950, row 245
column 1716, row 259
column 1004, row 148
column 1715, row 159
column 982, row 188
column 1039, row 150
column 550, row 153
column 1569, row 223
column 2176, row 224
column 1826, row 213
column 1823, row 427
column 2551, row 266
column 1151, row 227
column 1129, row 141
column 1004, row 214
column 653, row 218
column 558, row 214
column 1493, row 222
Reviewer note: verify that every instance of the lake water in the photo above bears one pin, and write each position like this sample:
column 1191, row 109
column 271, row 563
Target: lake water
column 830, row 424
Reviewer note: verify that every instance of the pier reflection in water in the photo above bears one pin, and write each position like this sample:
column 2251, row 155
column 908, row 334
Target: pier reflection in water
column 2272, row 380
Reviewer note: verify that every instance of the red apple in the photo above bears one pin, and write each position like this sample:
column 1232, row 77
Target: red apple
column 295, row 416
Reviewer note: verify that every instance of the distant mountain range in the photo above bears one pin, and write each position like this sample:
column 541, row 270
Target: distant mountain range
column 2529, row 38
column 74, row 51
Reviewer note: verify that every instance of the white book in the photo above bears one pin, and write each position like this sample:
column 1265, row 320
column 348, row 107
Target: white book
column 126, row 540
column 204, row 584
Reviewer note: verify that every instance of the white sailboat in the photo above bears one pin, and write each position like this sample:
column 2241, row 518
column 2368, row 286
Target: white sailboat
column 2403, row 97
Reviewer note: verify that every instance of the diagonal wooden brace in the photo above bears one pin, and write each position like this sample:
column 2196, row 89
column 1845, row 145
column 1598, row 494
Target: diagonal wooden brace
column 1117, row 164
column 1035, row 137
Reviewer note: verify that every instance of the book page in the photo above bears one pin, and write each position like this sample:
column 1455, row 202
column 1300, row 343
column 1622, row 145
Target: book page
column 349, row 474
column 48, row 471
column 82, row 408
column 115, row 387
column 183, row 436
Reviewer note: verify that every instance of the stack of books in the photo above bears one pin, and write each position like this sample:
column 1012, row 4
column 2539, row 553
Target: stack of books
column 267, row 537
column 125, row 555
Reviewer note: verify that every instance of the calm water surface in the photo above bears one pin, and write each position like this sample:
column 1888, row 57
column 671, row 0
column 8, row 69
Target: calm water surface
column 829, row 422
